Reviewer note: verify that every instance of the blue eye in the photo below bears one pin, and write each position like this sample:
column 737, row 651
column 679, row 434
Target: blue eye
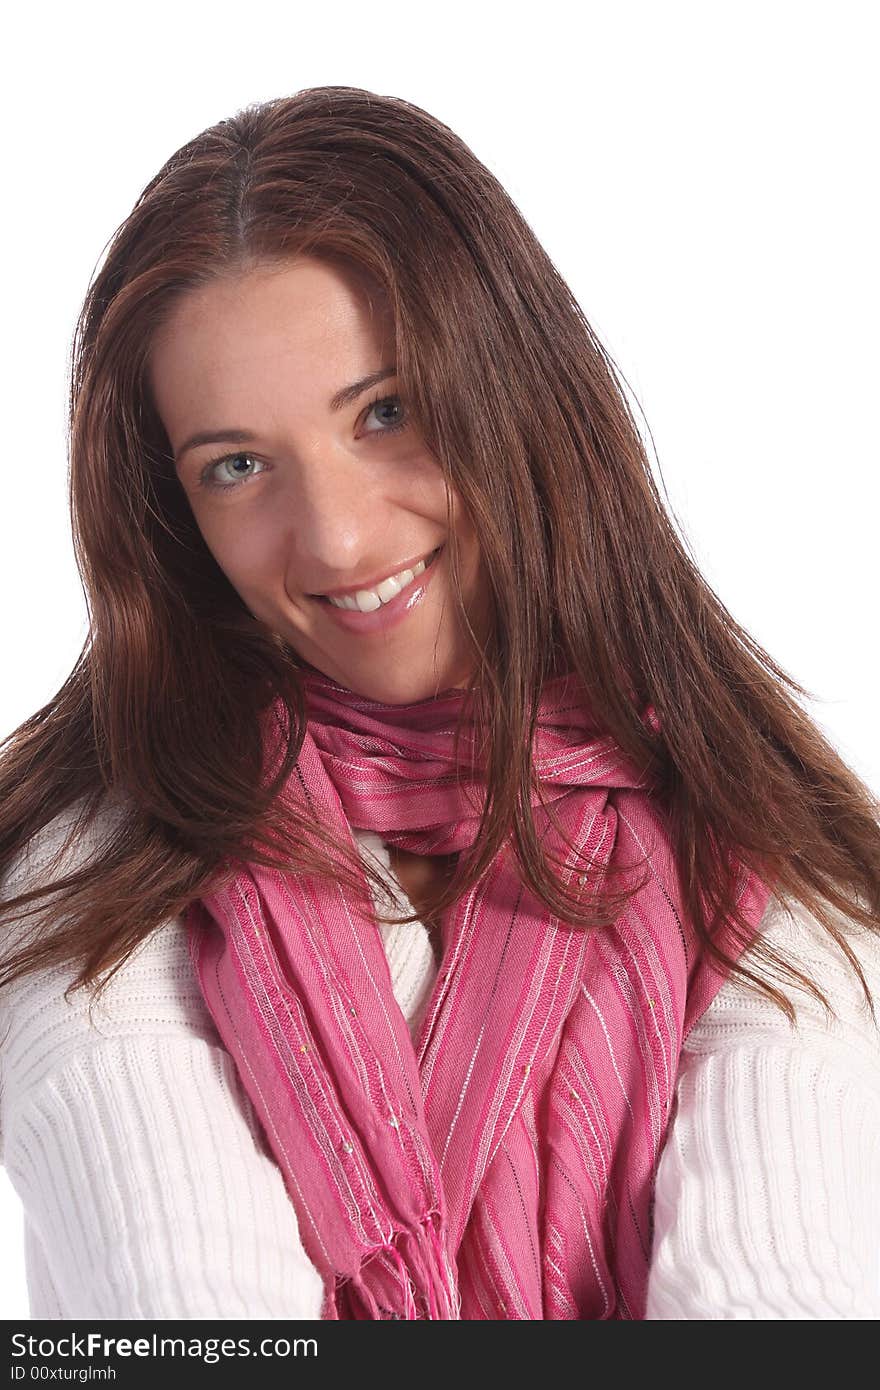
column 207, row 479
column 388, row 428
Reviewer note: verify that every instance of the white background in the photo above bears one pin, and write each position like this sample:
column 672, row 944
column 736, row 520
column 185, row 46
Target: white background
column 703, row 175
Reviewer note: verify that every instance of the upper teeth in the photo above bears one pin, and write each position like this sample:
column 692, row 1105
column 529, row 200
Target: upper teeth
column 368, row 600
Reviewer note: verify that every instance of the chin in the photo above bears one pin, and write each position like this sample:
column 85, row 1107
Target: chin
column 406, row 689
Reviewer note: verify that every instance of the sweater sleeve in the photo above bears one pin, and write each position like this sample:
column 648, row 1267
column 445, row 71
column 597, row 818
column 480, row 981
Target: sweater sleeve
column 147, row 1188
column 767, row 1200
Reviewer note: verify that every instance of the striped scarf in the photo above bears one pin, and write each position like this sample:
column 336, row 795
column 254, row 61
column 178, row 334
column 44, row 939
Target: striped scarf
column 501, row 1164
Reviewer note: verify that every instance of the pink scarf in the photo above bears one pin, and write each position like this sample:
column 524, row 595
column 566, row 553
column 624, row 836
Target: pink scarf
column 503, row 1166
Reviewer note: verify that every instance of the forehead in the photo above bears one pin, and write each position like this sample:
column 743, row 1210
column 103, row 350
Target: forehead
column 306, row 321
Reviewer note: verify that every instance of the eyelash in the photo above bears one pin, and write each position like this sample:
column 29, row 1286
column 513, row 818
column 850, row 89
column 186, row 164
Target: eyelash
column 205, row 479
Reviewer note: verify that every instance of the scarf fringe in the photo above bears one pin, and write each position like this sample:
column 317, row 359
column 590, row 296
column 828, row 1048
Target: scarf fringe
column 423, row 1283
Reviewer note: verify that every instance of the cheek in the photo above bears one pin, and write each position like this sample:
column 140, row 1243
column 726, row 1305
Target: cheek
column 242, row 551
column 420, row 484
column 466, row 534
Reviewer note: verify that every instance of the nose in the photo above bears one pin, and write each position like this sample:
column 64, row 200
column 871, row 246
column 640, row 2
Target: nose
column 340, row 521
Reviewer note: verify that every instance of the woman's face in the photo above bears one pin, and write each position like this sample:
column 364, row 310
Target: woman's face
column 298, row 494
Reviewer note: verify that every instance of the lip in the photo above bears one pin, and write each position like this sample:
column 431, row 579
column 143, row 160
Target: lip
column 391, row 613
column 375, row 581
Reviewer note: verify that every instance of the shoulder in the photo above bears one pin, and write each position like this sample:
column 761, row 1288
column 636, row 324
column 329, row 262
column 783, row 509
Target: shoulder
column 740, row 1019
column 155, row 991
column 59, row 847
column 62, row 845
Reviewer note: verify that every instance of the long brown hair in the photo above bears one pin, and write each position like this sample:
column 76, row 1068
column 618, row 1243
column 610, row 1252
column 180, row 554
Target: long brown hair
column 528, row 417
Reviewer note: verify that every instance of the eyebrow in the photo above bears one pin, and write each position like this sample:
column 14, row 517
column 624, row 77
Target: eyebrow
column 345, row 396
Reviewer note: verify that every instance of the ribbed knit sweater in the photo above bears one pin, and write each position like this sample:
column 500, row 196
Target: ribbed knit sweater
column 149, row 1191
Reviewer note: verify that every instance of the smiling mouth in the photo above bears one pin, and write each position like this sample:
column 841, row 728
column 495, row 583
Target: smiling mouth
column 429, row 560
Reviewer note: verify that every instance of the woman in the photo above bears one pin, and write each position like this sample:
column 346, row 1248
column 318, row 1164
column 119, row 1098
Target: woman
column 375, row 563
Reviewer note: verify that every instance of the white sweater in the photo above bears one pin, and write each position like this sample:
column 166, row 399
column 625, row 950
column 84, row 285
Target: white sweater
column 149, row 1192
